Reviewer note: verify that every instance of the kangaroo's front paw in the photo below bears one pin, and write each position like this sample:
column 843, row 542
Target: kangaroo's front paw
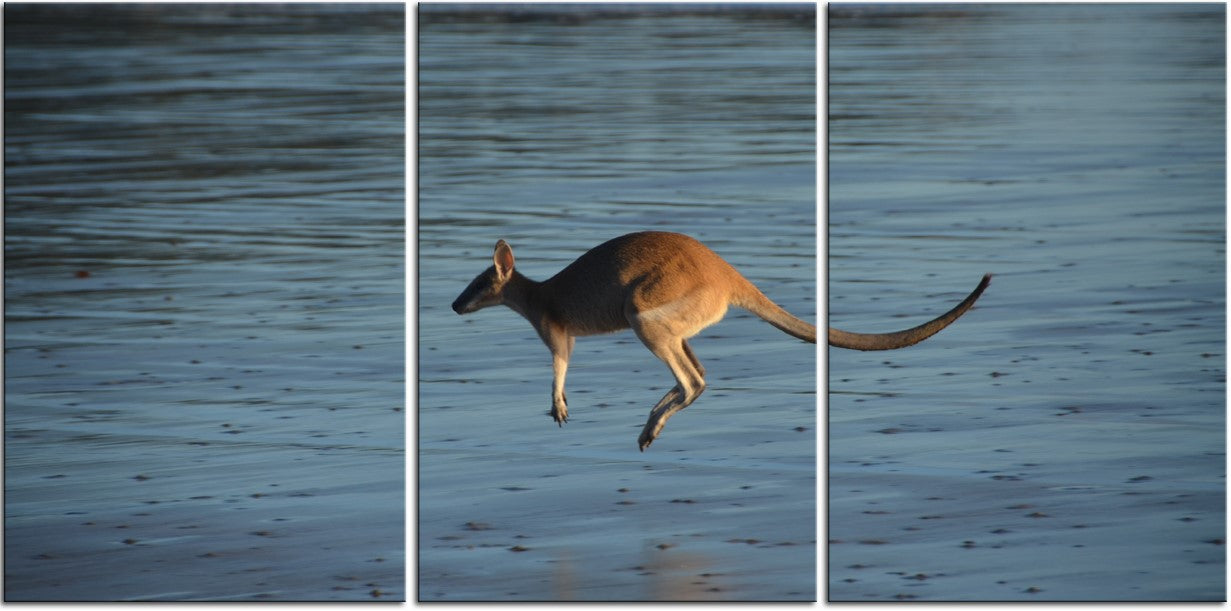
column 559, row 413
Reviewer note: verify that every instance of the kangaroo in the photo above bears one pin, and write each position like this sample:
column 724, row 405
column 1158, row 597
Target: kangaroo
column 666, row 287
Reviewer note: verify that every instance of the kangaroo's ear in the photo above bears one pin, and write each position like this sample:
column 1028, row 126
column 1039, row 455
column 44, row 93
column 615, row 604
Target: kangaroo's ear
column 503, row 258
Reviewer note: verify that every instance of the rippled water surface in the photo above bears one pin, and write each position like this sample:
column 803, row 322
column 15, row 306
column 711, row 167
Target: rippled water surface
column 203, row 302
column 1065, row 439
column 557, row 129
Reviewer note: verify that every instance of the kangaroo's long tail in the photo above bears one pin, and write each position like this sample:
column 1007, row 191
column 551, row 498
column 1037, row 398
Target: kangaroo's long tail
column 914, row 335
column 756, row 302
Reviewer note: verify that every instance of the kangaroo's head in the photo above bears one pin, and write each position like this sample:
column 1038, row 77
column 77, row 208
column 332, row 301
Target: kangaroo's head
column 487, row 288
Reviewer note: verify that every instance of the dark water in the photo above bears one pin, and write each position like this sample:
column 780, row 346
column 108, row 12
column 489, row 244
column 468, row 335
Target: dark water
column 556, row 129
column 204, row 302
column 1065, row 439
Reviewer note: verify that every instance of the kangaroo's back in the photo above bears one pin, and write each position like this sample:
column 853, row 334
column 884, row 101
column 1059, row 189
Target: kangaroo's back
column 638, row 272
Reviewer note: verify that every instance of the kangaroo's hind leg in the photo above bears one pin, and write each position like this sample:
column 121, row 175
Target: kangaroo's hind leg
column 689, row 378
column 692, row 358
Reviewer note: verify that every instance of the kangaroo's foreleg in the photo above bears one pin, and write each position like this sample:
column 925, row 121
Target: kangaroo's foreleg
column 689, row 378
column 561, row 345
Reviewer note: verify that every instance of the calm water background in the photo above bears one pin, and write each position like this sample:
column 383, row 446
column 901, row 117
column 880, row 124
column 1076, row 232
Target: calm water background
column 556, row 129
column 1064, row 440
column 214, row 409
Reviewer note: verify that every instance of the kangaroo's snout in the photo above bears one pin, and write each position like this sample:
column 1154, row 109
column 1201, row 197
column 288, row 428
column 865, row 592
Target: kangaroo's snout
column 460, row 305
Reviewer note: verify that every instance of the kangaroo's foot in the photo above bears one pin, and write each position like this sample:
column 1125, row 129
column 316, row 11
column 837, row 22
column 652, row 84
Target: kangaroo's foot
column 674, row 401
column 654, row 425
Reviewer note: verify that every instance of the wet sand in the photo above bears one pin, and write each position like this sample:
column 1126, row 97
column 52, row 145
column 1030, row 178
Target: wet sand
column 158, row 519
column 202, row 460
column 204, row 372
column 1065, row 439
column 720, row 507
